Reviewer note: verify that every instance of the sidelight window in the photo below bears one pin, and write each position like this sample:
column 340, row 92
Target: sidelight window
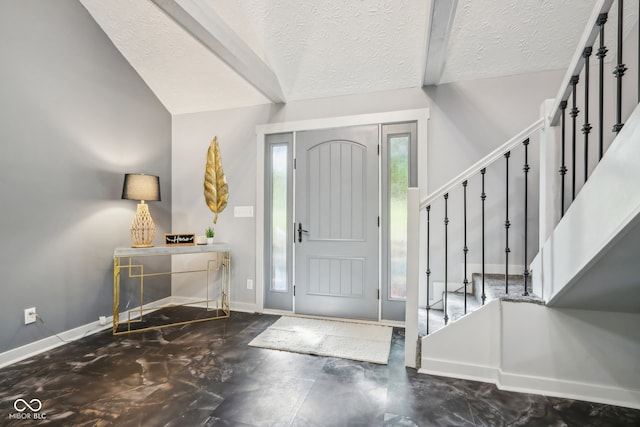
column 279, row 229
column 399, row 165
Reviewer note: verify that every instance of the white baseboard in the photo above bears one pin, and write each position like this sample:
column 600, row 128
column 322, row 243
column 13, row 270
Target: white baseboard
column 529, row 384
column 34, row 348
column 465, row 371
column 617, row 396
column 245, row 307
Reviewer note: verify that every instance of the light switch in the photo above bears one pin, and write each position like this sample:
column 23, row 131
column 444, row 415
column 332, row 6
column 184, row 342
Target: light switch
column 243, row 211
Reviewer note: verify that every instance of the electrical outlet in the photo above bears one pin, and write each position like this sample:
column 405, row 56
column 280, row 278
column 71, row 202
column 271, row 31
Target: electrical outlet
column 30, row 315
column 249, row 283
column 102, row 320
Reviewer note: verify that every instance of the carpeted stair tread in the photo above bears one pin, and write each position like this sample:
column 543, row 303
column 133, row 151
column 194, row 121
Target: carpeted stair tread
column 494, row 286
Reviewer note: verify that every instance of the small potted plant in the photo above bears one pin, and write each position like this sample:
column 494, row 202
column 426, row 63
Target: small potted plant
column 209, row 233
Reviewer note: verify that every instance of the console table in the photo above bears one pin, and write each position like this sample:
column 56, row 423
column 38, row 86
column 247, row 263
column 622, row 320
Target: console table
column 217, row 295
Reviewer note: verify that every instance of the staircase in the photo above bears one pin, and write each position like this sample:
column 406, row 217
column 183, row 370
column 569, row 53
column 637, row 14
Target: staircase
column 494, row 286
column 568, row 325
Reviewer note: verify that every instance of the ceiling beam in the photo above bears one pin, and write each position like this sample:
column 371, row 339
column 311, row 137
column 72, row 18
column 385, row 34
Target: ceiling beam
column 439, row 24
column 203, row 23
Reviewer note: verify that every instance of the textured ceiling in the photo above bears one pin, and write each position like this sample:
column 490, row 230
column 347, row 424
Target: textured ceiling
column 499, row 38
column 493, row 38
column 339, row 47
column 184, row 75
column 328, row 48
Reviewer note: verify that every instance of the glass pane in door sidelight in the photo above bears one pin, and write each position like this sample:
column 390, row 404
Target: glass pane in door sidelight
column 279, row 203
column 398, row 184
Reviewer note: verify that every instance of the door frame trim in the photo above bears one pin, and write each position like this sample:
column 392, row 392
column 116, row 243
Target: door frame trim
column 420, row 116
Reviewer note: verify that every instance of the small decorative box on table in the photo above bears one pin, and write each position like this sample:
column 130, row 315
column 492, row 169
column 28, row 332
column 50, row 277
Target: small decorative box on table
column 216, row 301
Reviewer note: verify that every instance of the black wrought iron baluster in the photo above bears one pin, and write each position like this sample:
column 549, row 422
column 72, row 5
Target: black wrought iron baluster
column 602, row 53
column 428, row 264
column 465, row 282
column 507, row 224
column 619, row 71
column 563, row 167
column 526, row 210
column 586, row 127
column 446, row 258
column 574, row 115
column 483, row 197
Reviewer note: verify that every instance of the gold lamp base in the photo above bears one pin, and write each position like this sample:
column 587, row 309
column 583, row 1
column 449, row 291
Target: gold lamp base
column 143, row 230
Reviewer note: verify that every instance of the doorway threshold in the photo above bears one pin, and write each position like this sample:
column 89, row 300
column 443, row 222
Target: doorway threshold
column 393, row 323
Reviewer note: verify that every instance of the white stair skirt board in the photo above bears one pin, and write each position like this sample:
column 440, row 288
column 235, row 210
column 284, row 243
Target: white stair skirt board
column 531, row 348
column 346, row 340
column 32, row 349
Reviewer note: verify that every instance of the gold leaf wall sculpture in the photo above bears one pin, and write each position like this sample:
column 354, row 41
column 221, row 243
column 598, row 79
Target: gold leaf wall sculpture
column 216, row 190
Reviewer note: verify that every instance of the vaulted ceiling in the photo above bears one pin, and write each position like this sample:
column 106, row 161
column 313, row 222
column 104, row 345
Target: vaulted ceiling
column 201, row 55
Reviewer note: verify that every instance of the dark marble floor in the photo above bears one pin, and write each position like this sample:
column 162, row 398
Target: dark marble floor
column 205, row 374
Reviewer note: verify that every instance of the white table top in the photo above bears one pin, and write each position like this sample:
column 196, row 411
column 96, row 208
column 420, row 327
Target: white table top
column 171, row 250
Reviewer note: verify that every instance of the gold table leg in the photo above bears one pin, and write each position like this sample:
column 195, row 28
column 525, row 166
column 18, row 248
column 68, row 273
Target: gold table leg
column 223, row 259
column 116, row 293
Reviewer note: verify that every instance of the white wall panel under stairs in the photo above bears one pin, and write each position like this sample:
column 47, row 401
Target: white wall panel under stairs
column 580, row 354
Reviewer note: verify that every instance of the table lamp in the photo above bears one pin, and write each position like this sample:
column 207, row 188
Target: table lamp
column 141, row 187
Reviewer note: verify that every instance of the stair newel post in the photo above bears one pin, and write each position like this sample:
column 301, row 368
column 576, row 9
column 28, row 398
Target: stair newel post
column 428, row 264
column 507, row 224
column 574, row 115
column 483, row 197
column 563, row 167
column 586, row 127
column 619, row 70
column 465, row 250
column 525, row 274
column 446, row 258
column 602, row 53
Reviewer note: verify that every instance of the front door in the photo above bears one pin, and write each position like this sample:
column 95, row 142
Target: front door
column 336, row 222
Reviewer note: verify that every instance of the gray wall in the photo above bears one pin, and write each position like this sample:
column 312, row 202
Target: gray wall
column 74, row 117
column 468, row 120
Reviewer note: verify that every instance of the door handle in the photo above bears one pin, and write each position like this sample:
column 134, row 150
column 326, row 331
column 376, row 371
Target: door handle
column 300, row 231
